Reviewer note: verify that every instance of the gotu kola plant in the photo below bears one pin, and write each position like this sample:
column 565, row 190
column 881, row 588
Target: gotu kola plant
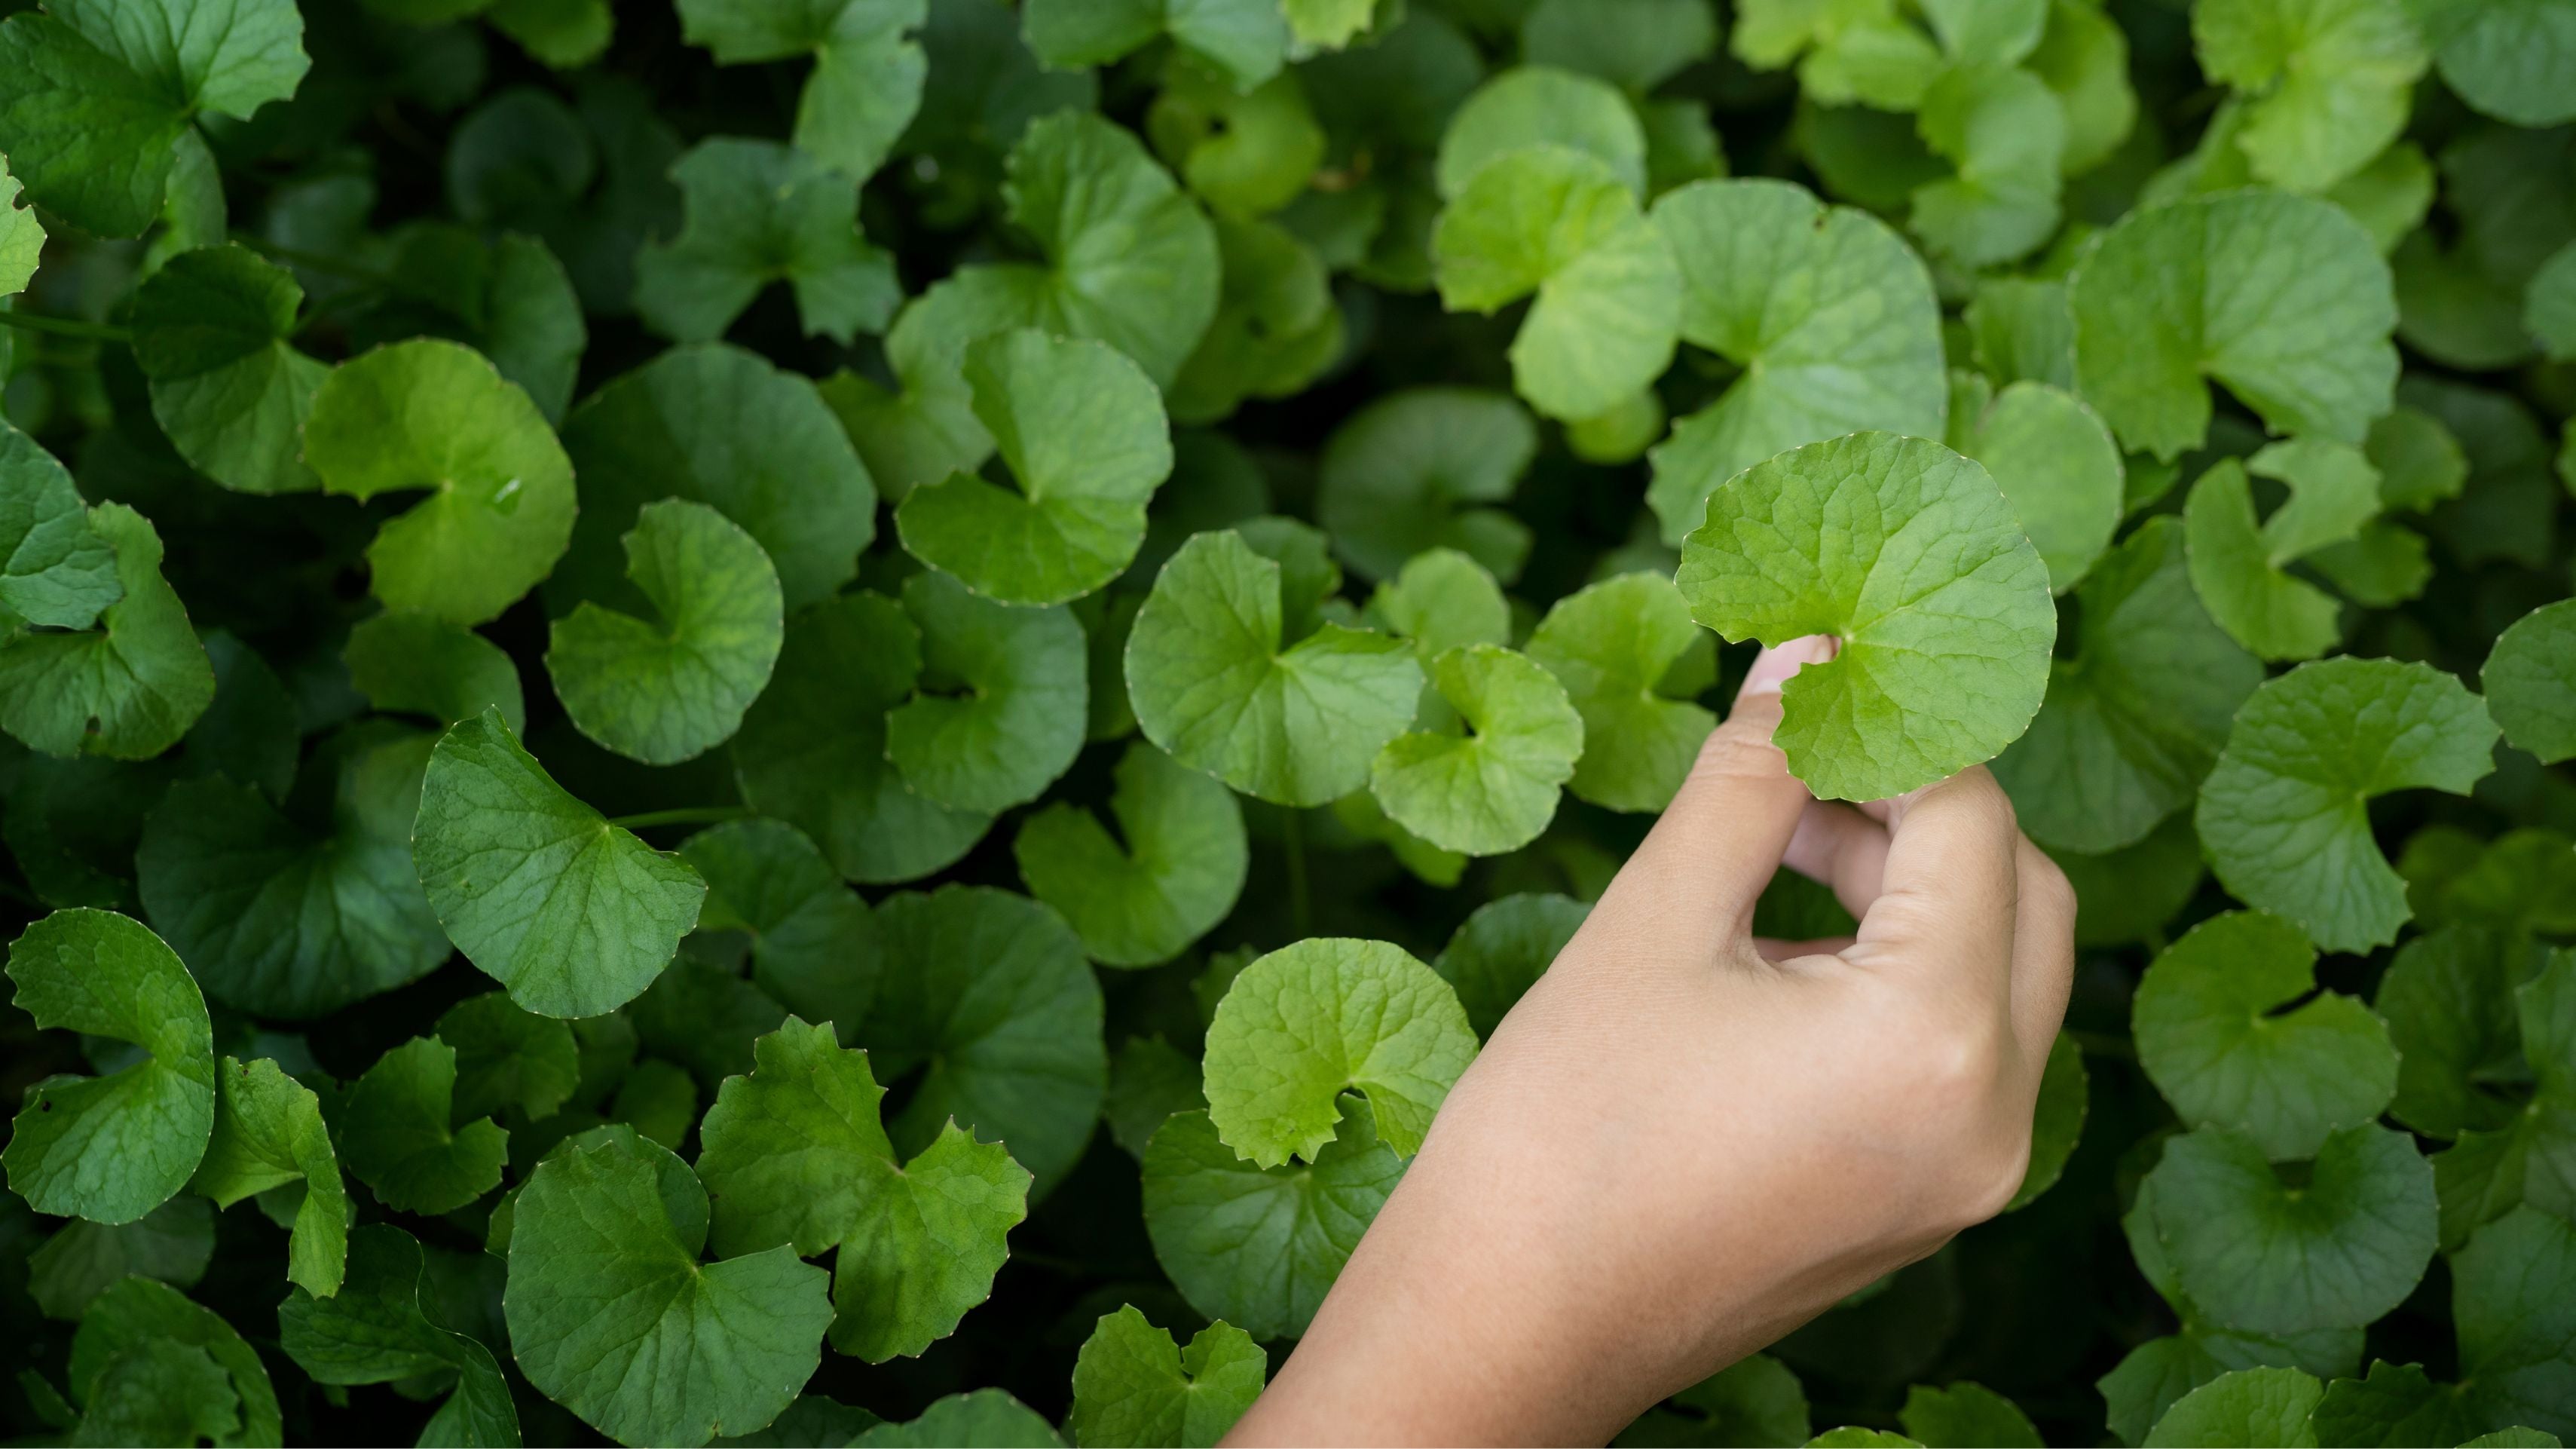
column 828, row 722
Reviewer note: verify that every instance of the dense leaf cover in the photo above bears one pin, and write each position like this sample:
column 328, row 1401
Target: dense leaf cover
column 827, row 721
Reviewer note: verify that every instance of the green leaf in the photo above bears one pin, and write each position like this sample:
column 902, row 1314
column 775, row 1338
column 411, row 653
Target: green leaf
column 376, row 1330
column 2336, row 1251
column 613, row 1316
column 1022, row 712
column 812, row 749
column 720, row 426
column 126, row 689
column 22, row 236
column 757, row 213
column 2514, row 61
column 1258, row 1247
column 2055, row 462
column 1911, row 556
column 2530, row 680
column 297, row 912
column 140, row 1315
column 814, row 946
column 2517, row 1319
column 1149, row 1080
column 984, row 1419
column 1493, row 787
column 1213, row 687
column 1277, row 325
column 670, row 688
column 1537, row 105
column 2138, row 713
column 396, row 1127
column 1173, row 870
column 1965, row 1415
column 1441, row 600
column 1248, row 39
column 1134, row 1386
column 867, row 75
column 2448, row 998
column 57, row 570
column 2003, row 130
column 1245, row 155
column 574, row 915
column 269, row 1134
column 2057, row 1121
column 1501, row 950
column 2252, row 1407
column 433, row 415
column 1411, row 471
column 2020, row 331
column 1082, row 430
column 2282, row 815
column 172, row 1244
column 1614, row 646
column 2332, row 81
column 2263, row 608
column 1753, row 1402
column 2394, row 1404
column 1006, row 1016
column 1830, row 315
column 212, row 334
column 507, row 1058
column 1556, row 222
column 2283, row 299
column 793, row 1154
column 114, row 1147
column 2533, row 1157
column 2420, row 463
column 1634, row 44
column 1302, row 1025
column 2232, row 1029
column 416, row 664
column 1852, row 1436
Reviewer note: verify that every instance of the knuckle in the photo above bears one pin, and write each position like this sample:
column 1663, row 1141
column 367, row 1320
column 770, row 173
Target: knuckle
column 2045, row 885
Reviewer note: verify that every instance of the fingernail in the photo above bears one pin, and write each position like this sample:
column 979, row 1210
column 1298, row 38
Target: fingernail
column 1772, row 667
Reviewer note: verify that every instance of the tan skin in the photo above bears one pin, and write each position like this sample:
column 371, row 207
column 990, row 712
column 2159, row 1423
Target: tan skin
column 1684, row 1142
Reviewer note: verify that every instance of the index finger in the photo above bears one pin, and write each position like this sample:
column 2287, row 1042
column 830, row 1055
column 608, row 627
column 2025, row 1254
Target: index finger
column 1951, row 890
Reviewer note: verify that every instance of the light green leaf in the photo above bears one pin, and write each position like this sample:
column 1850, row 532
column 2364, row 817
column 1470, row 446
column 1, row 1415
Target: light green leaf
column 1493, row 787
column 396, row 1127
column 1277, row 325
column 2420, row 462
column 172, row 1244
column 612, row 1315
column 2054, row 460
column 1412, row 471
column 22, row 237
column 114, row 1147
column 794, row 1154
column 1328, row 24
column 2282, row 813
column 297, row 912
column 1006, row 1015
column 574, row 915
column 2383, row 566
column 1302, row 1025
column 812, row 749
column 2232, row 1029
column 723, row 427
column 416, row 664
column 1134, row 1386
column 211, row 333
column 1830, row 315
column 2020, row 331
column 140, row 1314
column 2270, row 612
column 1021, row 720
column 670, row 688
column 1246, row 155
column 1173, row 870
column 1911, row 556
column 867, row 75
column 376, row 1331
column 269, row 1134
column 55, row 569
column 1634, row 44
column 2530, row 680
column 2256, row 1253
column 1255, row 1247
column 814, row 947
column 757, row 213
column 1502, row 949
column 1247, row 39
column 1556, row 222
column 2284, row 299
column 126, row 689
column 984, row 1419
column 1441, row 600
column 433, row 415
column 2004, row 132
column 1212, row 685
column 2515, row 60
column 2266, row 1407
column 1538, row 105
column 2331, row 79
column 2138, row 713
column 1082, row 430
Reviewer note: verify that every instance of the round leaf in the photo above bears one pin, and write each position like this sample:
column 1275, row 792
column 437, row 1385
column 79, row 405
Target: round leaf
column 211, row 332
column 1177, row 873
column 1022, row 715
column 1254, row 1247
column 1493, row 788
column 2530, row 680
column 1614, row 646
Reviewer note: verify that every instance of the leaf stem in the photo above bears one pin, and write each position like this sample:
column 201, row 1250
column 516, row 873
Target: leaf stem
column 65, row 327
column 686, row 815
column 1292, row 836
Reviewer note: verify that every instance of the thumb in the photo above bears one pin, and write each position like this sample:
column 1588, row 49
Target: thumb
column 1696, row 876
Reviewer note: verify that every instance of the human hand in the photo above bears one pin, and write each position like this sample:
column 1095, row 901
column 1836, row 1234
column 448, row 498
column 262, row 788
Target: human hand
column 1684, row 1142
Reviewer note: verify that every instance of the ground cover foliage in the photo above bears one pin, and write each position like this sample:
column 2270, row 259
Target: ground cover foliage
column 826, row 721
